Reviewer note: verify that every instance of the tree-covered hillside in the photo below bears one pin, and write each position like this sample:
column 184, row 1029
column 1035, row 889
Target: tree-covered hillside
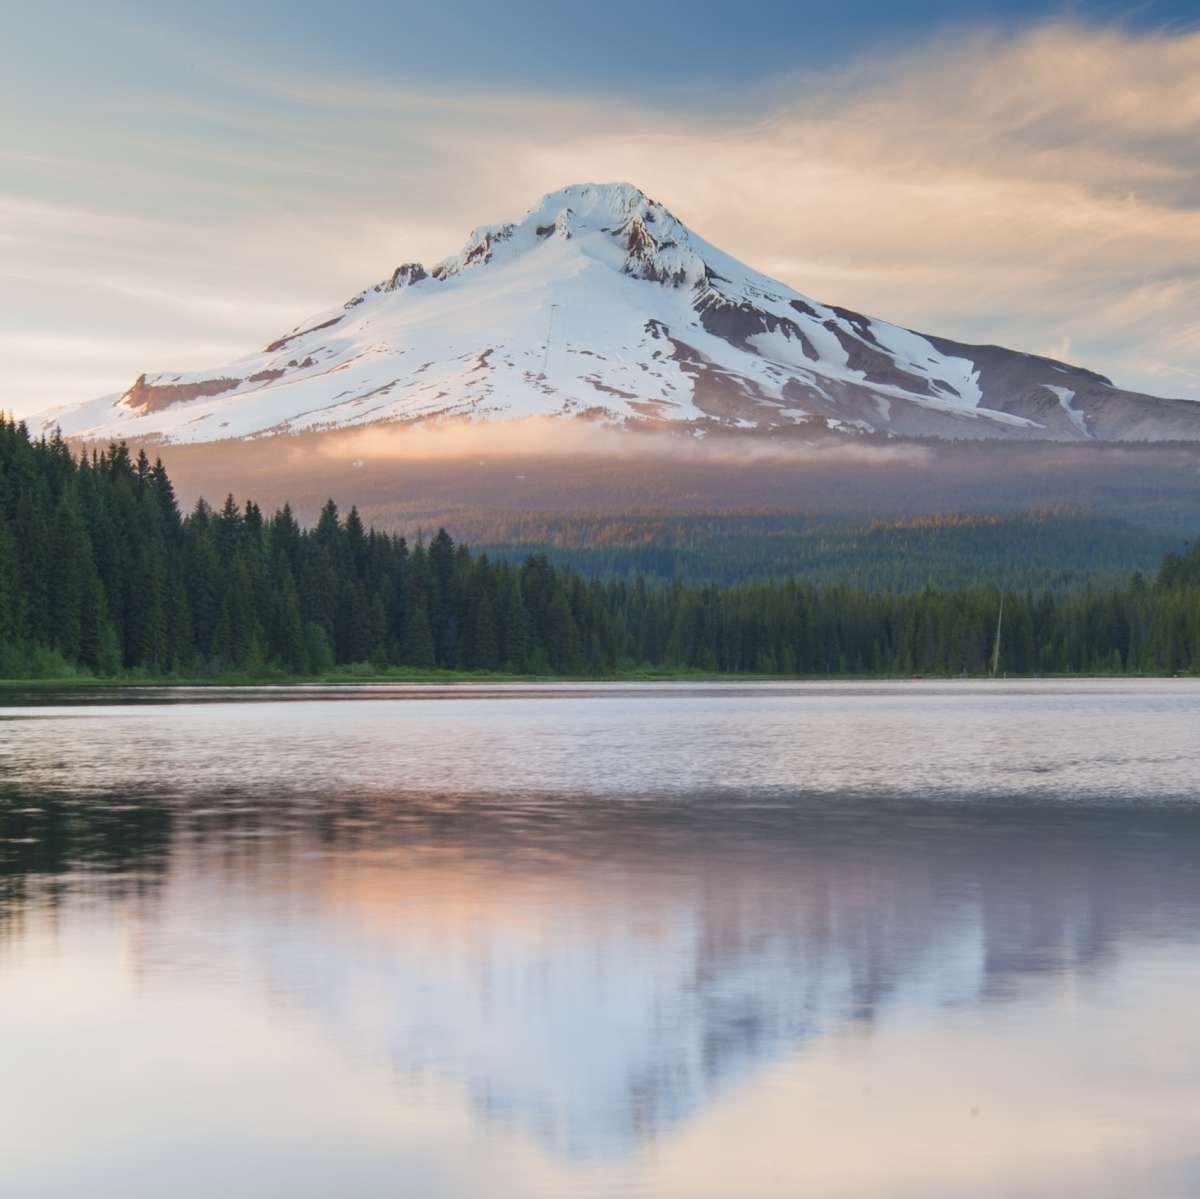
column 1046, row 549
column 100, row 573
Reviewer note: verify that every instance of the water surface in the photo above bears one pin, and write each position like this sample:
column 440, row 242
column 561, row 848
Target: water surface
column 860, row 940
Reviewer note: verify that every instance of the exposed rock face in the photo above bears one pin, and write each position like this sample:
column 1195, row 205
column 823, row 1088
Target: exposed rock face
column 600, row 303
column 145, row 397
column 283, row 341
column 403, row 276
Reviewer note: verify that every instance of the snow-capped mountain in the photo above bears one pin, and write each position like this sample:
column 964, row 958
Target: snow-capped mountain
column 600, row 304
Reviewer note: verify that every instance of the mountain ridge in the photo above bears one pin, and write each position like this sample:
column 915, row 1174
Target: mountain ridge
column 600, row 304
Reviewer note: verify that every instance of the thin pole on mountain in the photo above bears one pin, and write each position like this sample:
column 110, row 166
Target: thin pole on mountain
column 549, row 332
column 999, row 629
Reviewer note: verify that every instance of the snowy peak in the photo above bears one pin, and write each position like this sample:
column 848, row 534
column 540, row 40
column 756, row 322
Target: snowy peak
column 599, row 303
column 655, row 246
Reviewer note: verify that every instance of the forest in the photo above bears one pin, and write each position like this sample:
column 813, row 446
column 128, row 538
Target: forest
column 101, row 574
column 1048, row 548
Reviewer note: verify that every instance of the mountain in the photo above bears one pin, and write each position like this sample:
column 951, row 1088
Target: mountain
column 601, row 305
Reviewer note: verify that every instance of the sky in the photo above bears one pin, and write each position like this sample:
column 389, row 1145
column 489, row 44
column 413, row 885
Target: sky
column 180, row 183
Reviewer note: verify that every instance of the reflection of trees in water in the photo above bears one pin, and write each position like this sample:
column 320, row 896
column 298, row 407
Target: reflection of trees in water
column 595, row 971
column 50, row 834
column 55, row 846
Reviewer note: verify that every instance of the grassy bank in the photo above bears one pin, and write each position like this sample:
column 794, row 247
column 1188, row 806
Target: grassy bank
column 351, row 675
column 404, row 675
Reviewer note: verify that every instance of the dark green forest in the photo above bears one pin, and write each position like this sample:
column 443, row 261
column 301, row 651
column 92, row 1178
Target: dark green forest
column 101, row 574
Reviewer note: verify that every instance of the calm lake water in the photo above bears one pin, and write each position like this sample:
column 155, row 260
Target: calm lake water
column 850, row 940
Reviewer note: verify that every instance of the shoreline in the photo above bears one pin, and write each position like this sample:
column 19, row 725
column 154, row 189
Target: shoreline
column 464, row 678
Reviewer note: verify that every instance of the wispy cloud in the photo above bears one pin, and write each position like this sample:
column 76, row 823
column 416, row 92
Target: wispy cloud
column 546, row 437
column 1040, row 190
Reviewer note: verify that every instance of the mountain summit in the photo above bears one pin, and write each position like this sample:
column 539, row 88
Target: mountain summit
column 601, row 304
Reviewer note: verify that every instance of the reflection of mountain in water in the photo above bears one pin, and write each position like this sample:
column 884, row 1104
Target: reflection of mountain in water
column 595, row 976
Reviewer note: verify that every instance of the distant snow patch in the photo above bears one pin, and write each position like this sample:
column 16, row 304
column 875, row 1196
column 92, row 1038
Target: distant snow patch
column 1065, row 396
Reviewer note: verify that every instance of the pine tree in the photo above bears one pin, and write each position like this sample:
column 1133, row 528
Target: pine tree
column 67, row 568
column 11, row 615
column 287, row 644
column 356, row 544
column 164, row 498
column 418, row 647
column 318, row 650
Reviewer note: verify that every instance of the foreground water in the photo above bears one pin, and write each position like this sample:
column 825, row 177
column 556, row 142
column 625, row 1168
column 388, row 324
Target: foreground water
column 907, row 940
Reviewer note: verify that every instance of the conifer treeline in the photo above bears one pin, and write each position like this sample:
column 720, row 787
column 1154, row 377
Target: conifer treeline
column 100, row 572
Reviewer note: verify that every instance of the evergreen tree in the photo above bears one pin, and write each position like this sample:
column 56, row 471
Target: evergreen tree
column 418, row 647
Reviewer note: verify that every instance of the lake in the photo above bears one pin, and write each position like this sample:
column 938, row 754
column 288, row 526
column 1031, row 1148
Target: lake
column 910, row 939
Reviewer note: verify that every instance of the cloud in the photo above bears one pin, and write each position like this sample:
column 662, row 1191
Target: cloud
column 1024, row 190
column 546, row 437
column 1040, row 190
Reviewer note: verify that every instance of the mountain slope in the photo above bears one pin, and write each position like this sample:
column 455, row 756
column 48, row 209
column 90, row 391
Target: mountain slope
column 600, row 304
